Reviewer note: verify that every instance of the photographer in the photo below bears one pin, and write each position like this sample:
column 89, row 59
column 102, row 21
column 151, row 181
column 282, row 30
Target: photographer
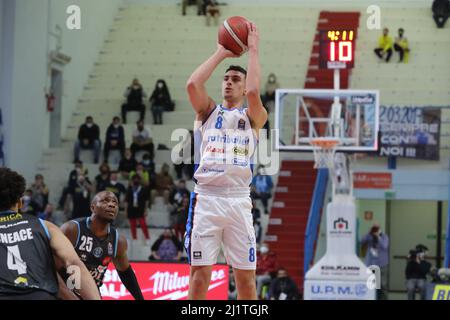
column 377, row 244
column 416, row 272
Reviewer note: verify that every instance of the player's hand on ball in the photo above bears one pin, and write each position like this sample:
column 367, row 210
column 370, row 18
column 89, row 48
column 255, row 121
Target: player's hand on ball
column 226, row 53
column 253, row 36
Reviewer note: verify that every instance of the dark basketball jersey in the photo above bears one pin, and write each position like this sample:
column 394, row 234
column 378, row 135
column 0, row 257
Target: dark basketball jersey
column 26, row 259
column 96, row 253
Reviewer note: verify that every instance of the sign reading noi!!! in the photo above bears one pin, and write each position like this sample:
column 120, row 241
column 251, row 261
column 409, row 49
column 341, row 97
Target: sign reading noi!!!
column 163, row 281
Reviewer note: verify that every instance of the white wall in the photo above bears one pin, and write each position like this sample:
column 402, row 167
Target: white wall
column 28, row 133
column 309, row 3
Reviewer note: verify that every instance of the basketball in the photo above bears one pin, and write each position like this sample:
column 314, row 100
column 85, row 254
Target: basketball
column 233, row 34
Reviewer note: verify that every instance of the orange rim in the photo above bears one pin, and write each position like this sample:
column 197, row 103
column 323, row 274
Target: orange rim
column 325, row 143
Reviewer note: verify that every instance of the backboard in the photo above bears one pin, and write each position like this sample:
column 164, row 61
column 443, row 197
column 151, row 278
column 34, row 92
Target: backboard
column 351, row 116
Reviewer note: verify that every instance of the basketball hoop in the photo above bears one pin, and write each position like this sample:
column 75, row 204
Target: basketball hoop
column 324, row 150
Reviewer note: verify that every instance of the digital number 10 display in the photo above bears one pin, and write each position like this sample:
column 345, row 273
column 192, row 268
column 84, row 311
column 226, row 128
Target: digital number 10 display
column 336, row 49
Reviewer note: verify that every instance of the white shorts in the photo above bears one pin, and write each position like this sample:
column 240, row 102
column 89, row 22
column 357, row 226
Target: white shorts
column 215, row 220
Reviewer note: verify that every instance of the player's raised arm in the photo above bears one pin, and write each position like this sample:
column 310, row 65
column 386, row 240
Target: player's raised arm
column 64, row 251
column 125, row 271
column 256, row 111
column 195, row 87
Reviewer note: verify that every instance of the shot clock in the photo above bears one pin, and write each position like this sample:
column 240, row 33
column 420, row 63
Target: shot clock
column 337, row 49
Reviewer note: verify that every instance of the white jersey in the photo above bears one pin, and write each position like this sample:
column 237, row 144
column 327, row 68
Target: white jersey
column 224, row 148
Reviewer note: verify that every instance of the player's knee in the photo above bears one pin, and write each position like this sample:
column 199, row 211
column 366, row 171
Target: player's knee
column 199, row 283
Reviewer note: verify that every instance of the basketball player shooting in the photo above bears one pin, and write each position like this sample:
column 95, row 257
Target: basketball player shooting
column 220, row 208
column 97, row 244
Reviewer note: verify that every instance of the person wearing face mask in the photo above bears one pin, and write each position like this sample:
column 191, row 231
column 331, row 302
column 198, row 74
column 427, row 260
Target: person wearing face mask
column 40, row 191
column 71, row 183
column 136, row 207
column 29, row 205
column 142, row 173
column 262, row 186
column 142, row 140
column 166, row 247
column 134, row 95
column 102, row 179
column 384, row 46
column 88, row 138
column 148, row 164
column 127, row 164
column 266, row 267
column 160, row 101
column 81, row 197
column 115, row 139
column 115, row 186
column 283, row 287
column 401, row 46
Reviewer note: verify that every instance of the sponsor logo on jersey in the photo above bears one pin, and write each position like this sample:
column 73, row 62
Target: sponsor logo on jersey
column 197, row 255
column 11, row 217
column 21, row 281
column 110, row 249
column 214, row 150
column 83, row 257
column 98, row 252
column 240, row 151
column 241, row 124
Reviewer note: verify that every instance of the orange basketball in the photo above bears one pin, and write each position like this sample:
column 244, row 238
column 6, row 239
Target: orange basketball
column 233, row 34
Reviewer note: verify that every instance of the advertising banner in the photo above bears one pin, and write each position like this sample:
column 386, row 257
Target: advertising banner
column 163, row 281
column 410, row 132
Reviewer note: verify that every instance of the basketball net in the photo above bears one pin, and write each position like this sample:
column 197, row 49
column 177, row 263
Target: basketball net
column 324, row 151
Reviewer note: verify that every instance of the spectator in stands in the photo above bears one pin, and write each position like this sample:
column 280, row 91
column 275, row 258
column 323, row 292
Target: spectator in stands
column 127, row 164
column 135, row 96
column 81, row 197
column 160, row 101
column 163, row 184
column 29, row 206
column 266, row 267
column 167, row 247
column 115, row 139
column 88, row 138
column 136, row 207
column 73, row 176
column 377, row 254
column 441, row 12
column 181, row 217
column 384, row 46
column 40, row 191
column 283, row 287
column 142, row 140
column 142, row 173
column 186, row 158
column 262, row 188
column 401, row 46
column 178, row 193
column 256, row 213
column 416, row 272
column 148, row 164
column 115, row 186
column 269, row 94
column 199, row 4
column 212, row 10
column 102, row 179
column 47, row 214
